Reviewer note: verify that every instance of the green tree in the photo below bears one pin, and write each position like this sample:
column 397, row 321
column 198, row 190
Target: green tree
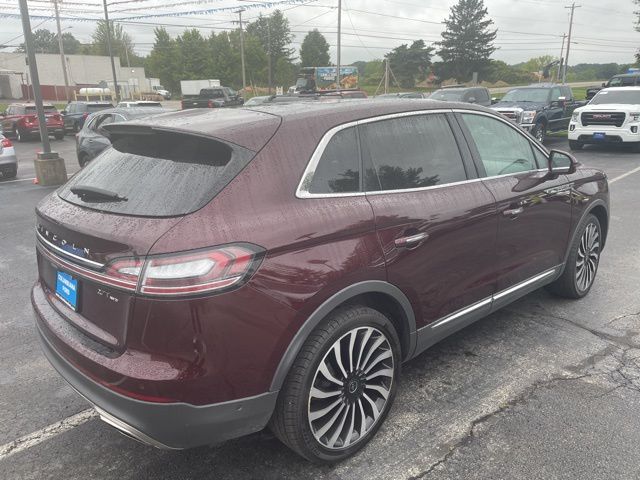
column 410, row 63
column 162, row 62
column 467, row 42
column 47, row 42
column 373, row 72
column 275, row 36
column 314, row 51
column 194, row 55
column 226, row 61
column 121, row 42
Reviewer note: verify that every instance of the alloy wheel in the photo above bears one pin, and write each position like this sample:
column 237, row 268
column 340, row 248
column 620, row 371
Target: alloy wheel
column 350, row 388
column 588, row 256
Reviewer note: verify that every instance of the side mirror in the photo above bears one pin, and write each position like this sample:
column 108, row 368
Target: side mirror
column 561, row 162
column 472, row 99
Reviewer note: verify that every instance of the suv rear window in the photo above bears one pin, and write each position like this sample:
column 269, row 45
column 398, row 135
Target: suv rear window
column 47, row 108
column 160, row 174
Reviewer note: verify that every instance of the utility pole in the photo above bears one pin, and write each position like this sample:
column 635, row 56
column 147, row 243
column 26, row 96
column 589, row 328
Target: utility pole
column 386, row 75
column 35, row 80
column 244, row 77
column 50, row 168
column 269, row 49
column 113, row 65
column 61, row 48
column 339, row 36
column 566, row 60
column 561, row 64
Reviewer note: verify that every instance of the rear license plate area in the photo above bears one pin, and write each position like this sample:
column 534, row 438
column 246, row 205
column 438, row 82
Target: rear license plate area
column 67, row 289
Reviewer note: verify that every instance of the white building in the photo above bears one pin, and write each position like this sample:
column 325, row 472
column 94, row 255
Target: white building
column 82, row 71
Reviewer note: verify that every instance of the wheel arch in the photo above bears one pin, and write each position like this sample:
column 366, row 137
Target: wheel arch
column 598, row 208
column 377, row 294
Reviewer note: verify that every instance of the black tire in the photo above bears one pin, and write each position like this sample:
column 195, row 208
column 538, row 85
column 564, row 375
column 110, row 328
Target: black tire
column 10, row 173
column 291, row 419
column 59, row 136
column 575, row 145
column 540, row 132
column 569, row 284
column 83, row 160
column 22, row 137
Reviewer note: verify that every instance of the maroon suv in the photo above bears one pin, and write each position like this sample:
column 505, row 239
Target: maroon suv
column 20, row 121
column 217, row 271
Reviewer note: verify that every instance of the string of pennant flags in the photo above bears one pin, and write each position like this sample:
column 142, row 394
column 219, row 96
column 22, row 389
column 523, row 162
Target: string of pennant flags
column 208, row 11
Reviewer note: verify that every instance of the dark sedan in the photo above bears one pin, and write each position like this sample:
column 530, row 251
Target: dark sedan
column 92, row 139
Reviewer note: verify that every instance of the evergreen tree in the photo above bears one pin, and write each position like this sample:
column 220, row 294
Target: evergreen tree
column 275, row 36
column 467, row 42
column 194, row 55
column 314, row 51
column 410, row 63
column 163, row 61
column 121, row 43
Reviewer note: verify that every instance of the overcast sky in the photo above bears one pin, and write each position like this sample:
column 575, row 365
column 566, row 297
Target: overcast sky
column 370, row 28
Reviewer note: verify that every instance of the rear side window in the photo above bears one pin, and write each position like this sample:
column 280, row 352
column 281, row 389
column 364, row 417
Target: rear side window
column 160, row 174
column 97, row 107
column 410, row 152
column 338, row 170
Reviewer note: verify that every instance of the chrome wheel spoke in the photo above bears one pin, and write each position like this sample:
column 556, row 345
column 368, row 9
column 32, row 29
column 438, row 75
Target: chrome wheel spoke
column 587, row 257
column 351, row 387
column 377, row 360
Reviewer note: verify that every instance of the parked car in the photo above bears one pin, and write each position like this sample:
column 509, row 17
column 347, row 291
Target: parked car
column 612, row 116
column 258, row 100
column 622, row 80
column 539, row 108
column 167, row 298
column 403, row 95
column 477, row 95
column 75, row 113
column 138, row 104
column 93, row 138
column 20, row 122
column 8, row 158
column 215, row 97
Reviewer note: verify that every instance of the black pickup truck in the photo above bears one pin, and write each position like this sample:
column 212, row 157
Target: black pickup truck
column 539, row 108
column 622, row 80
column 215, row 97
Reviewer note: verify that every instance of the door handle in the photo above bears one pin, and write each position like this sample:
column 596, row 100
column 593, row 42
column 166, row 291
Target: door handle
column 411, row 240
column 513, row 212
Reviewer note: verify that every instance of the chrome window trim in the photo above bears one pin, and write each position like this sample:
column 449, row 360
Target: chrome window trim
column 326, row 138
column 66, row 254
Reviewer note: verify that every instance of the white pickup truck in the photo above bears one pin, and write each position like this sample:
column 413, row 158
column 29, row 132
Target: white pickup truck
column 612, row 116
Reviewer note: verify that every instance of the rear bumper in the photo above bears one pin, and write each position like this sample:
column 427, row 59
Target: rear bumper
column 8, row 161
column 162, row 425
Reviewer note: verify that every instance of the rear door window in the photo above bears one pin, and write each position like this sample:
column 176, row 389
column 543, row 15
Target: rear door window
column 338, row 170
column 410, row 152
column 159, row 174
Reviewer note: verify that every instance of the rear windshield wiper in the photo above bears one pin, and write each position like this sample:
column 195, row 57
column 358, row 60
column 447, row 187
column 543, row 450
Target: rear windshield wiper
column 88, row 193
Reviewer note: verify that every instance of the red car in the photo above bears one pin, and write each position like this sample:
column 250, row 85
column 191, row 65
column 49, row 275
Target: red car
column 20, row 121
column 275, row 266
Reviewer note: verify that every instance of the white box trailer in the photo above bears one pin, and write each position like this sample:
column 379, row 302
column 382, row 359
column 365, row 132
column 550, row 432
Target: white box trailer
column 193, row 87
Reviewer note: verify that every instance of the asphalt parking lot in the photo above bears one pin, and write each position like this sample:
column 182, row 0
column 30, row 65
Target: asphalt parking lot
column 546, row 388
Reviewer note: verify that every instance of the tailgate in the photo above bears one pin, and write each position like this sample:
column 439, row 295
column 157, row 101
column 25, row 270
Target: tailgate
column 75, row 246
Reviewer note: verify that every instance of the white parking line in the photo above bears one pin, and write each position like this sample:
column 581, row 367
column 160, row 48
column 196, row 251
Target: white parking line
column 46, row 433
column 620, row 177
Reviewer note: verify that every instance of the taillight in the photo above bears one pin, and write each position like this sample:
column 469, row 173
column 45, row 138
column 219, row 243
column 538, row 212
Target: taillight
column 30, row 120
column 210, row 104
column 187, row 273
column 85, row 115
column 6, row 142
